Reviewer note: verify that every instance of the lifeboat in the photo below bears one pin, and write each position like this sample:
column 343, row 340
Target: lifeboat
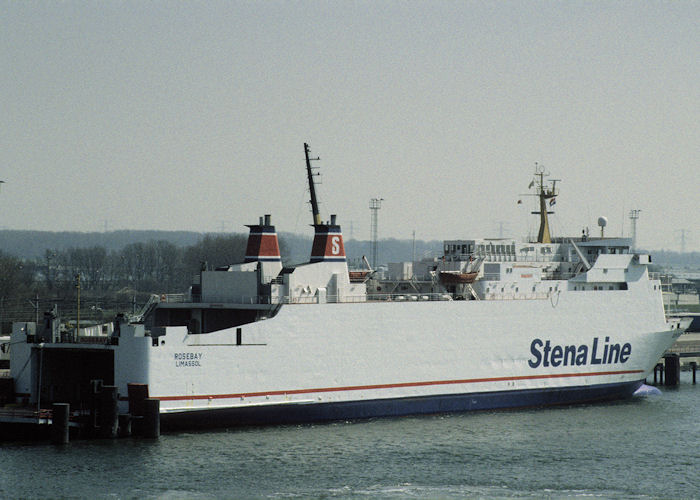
column 457, row 278
column 359, row 276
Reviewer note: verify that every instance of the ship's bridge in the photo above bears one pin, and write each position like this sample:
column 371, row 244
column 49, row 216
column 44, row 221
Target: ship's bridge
column 506, row 250
column 511, row 250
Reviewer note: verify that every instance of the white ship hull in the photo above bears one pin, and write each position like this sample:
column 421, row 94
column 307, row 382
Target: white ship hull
column 330, row 361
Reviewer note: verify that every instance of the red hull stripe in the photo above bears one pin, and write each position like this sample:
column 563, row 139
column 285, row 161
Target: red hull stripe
column 393, row 386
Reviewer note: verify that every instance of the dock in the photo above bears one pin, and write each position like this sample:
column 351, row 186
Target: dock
column 102, row 420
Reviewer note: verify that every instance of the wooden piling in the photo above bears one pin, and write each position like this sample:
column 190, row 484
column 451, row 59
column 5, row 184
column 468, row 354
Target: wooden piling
column 672, row 369
column 109, row 412
column 124, row 425
column 151, row 418
column 659, row 369
column 137, row 395
column 693, row 367
column 59, row 423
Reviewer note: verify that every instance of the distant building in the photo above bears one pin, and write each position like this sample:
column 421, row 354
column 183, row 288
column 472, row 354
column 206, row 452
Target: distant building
column 679, row 291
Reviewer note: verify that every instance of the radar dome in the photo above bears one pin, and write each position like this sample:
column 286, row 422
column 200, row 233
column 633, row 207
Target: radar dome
column 602, row 221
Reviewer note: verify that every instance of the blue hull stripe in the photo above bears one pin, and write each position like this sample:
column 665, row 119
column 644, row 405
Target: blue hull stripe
column 317, row 412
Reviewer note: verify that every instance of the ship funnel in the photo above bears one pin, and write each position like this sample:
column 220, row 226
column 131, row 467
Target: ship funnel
column 262, row 242
column 328, row 243
column 264, row 248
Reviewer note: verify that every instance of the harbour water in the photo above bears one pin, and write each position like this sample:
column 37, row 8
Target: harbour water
column 643, row 448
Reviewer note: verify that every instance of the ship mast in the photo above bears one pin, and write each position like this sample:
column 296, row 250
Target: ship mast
column 312, row 188
column 544, row 193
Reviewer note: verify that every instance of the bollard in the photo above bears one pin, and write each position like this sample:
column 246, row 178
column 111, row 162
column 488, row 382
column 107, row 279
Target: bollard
column 151, row 418
column 109, row 412
column 124, row 425
column 137, row 395
column 693, row 366
column 59, row 423
column 672, row 369
column 659, row 368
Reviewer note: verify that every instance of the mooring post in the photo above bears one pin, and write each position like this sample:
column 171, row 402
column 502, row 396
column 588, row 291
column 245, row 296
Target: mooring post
column 151, row 418
column 672, row 369
column 109, row 412
column 659, row 368
column 137, row 395
column 59, row 423
column 693, row 366
column 124, row 425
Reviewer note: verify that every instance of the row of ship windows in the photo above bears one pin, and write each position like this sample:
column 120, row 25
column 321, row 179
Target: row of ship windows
column 621, row 286
column 481, row 249
column 534, row 289
column 491, row 249
column 510, row 249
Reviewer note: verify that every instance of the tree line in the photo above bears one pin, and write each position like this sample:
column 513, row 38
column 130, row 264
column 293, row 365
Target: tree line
column 109, row 281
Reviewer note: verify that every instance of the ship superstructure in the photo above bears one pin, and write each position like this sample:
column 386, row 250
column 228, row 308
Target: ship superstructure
column 492, row 323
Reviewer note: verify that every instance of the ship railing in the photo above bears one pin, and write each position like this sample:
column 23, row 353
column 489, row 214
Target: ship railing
column 240, row 299
column 180, row 298
column 376, row 297
column 409, row 297
column 174, row 298
column 545, row 276
column 314, row 299
column 518, row 296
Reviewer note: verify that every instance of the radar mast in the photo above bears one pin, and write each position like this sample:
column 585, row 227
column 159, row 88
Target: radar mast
column 546, row 190
column 312, row 188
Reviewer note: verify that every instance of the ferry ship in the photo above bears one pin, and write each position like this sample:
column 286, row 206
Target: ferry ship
column 496, row 323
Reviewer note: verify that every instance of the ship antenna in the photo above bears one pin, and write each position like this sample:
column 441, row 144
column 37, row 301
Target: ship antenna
column 544, row 193
column 312, row 188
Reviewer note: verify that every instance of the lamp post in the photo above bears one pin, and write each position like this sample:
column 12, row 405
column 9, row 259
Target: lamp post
column 77, row 285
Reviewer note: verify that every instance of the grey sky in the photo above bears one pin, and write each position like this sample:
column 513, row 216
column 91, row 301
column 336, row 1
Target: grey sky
column 187, row 115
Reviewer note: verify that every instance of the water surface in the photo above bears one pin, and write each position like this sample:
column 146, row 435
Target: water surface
column 642, row 448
